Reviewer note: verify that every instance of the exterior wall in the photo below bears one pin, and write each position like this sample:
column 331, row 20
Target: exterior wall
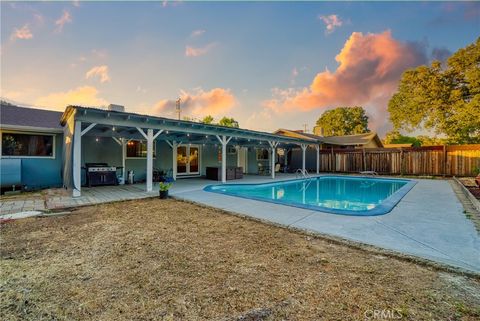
column 310, row 159
column 39, row 172
column 106, row 150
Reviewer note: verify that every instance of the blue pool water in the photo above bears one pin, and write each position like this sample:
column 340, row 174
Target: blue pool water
column 347, row 195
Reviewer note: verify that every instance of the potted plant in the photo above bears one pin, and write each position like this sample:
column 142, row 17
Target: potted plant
column 164, row 187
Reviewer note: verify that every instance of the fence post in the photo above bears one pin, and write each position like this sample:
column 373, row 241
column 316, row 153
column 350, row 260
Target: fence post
column 401, row 161
column 333, row 161
column 445, row 158
column 364, row 160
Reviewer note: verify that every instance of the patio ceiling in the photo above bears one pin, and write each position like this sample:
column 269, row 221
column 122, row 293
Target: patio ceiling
column 124, row 125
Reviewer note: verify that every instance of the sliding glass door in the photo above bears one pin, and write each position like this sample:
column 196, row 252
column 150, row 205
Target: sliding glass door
column 188, row 160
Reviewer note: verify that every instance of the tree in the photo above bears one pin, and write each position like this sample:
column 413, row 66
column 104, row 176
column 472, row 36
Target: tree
column 207, row 119
column 344, row 121
column 394, row 137
column 228, row 122
column 445, row 100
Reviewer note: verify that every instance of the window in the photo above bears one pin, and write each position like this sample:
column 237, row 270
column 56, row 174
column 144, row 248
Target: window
column 27, row 145
column 262, row 154
column 138, row 149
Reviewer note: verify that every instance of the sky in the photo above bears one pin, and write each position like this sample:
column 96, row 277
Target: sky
column 269, row 65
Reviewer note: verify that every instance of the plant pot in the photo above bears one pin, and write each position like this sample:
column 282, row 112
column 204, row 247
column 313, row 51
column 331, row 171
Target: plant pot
column 163, row 194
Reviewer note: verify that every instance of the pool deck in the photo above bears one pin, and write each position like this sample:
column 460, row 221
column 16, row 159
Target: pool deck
column 428, row 222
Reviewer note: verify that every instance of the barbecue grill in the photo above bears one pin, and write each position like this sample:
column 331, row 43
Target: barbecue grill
column 101, row 174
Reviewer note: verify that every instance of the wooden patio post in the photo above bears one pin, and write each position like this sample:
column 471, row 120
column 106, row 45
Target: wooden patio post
column 273, row 146
column 224, row 141
column 77, row 159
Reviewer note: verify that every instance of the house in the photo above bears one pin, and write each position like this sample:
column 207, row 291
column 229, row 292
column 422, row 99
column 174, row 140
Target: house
column 398, row 145
column 31, row 145
column 295, row 156
column 51, row 148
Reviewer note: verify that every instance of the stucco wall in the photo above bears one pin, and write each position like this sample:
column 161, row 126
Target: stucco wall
column 38, row 172
column 106, row 150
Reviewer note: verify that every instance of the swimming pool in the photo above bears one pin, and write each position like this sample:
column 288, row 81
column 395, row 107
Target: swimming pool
column 346, row 195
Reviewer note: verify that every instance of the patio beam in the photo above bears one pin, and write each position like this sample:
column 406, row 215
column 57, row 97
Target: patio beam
column 175, row 126
column 83, row 132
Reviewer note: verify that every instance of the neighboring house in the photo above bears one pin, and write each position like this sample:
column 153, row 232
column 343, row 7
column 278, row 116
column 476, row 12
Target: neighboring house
column 294, row 156
column 397, row 145
column 42, row 148
column 31, row 146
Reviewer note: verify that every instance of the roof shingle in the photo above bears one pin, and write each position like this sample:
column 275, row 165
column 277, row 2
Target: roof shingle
column 29, row 117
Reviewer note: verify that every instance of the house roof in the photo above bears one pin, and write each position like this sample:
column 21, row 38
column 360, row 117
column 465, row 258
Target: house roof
column 346, row 140
column 397, row 145
column 15, row 117
column 181, row 128
column 295, row 133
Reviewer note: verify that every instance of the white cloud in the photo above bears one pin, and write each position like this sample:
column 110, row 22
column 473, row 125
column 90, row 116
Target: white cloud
column 197, row 33
column 99, row 71
column 331, row 22
column 22, row 33
column 64, row 19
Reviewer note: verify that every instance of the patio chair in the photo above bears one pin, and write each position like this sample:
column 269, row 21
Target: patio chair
column 277, row 168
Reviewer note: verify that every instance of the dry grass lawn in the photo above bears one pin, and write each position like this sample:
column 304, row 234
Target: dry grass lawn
column 171, row 260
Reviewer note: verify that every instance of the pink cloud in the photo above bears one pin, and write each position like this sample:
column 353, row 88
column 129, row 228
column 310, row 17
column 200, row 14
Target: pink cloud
column 199, row 103
column 200, row 51
column 22, row 33
column 64, row 19
column 331, row 22
column 84, row 96
column 369, row 68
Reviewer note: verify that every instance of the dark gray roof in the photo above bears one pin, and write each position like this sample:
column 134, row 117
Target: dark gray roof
column 29, row 117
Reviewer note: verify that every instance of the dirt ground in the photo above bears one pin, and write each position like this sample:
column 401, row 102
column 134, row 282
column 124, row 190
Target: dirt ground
column 172, row 260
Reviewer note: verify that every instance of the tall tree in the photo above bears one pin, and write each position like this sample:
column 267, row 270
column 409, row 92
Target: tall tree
column 344, row 121
column 207, row 119
column 445, row 100
column 228, row 122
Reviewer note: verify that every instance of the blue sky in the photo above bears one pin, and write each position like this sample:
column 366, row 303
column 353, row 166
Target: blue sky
column 268, row 64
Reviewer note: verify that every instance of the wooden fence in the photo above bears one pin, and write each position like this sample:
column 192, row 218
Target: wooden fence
column 455, row 160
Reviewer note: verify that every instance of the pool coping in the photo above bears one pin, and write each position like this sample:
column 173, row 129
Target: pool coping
column 383, row 208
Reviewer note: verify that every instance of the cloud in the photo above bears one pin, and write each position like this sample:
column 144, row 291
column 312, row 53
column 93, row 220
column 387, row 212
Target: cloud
column 64, row 19
column 23, row 33
column 200, row 51
column 83, row 96
column 197, row 33
column 369, row 68
column 99, row 71
column 331, row 22
column 199, row 103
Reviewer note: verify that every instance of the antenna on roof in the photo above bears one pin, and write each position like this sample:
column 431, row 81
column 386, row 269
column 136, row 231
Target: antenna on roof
column 177, row 107
column 305, row 128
